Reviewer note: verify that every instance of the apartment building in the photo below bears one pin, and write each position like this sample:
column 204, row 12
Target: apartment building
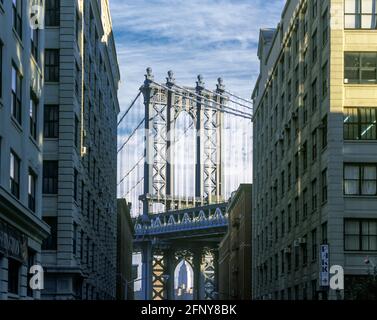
column 235, row 248
column 79, row 158
column 315, row 151
column 21, row 103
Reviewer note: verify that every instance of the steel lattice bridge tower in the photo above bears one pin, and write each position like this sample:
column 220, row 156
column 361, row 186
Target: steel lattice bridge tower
column 187, row 228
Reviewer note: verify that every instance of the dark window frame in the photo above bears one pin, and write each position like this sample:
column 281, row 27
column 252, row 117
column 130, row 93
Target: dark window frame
column 360, row 234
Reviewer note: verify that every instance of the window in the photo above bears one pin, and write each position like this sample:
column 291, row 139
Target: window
column 17, row 17
column 82, row 196
column 360, row 123
column 324, row 185
column 360, row 14
column 30, row 263
column 75, row 184
column 77, row 132
column 324, row 132
column 282, row 223
column 51, row 243
column 289, row 213
column 16, row 94
column 314, row 195
column 324, row 81
column 51, row 65
column 314, row 289
column 297, row 212
column 297, row 167
column 314, row 96
column 314, row 46
column 51, row 121
column 360, row 179
column 314, row 145
column 360, row 235
column 305, row 204
column 32, row 183
column 1, row 69
column 77, row 29
column 314, row 245
column 297, row 256
column 74, row 243
column 15, row 164
column 304, row 248
column 50, row 177
column 289, row 173
column 360, row 67
column 305, row 110
column 33, row 109
column 34, row 42
column 324, row 233
column 52, row 13
column 13, row 276
column 305, row 156
column 325, row 28
column 314, row 8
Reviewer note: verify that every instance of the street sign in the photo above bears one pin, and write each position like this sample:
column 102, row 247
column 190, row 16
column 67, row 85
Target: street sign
column 325, row 267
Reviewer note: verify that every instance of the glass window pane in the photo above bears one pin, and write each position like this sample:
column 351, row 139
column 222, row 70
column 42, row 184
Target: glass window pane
column 350, row 21
column 352, row 60
column 373, row 243
column 368, row 6
column 373, row 228
column 368, row 60
column 370, row 172
column 352, row 243
column 367, row 21
column 368, row 75
column 352, row 6
column 352, row 227
column 368, row 188
column 365, row 243
column 351, row 172
column 352, row 75
column 368, row 132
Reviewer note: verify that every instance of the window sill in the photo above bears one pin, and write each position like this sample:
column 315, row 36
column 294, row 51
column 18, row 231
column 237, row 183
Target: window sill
column 16, row 124
column 360, row 141
column 13, row 296
column 349, row 196
column 17, row 37
column 33, row 141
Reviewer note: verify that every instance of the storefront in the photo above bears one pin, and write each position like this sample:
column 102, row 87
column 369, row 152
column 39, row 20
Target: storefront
column 13, row 257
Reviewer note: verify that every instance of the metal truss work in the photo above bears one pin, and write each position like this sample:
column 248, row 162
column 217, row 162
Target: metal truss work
column 163, row 104
column 174, row 228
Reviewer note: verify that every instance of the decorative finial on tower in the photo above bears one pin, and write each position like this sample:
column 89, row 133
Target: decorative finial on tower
column 200, row 83
column 220, row 85
column 149, row 77
column 170, row 80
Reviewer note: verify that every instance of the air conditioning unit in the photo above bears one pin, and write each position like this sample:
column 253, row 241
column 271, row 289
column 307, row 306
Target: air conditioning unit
column 84, row 133
column 296, row 243
column 294, row 115
column 84, row 151
column 288, row 250
column 279, row 137
column 287, row 126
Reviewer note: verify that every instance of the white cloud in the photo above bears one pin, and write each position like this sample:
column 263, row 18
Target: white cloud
column 211, row 37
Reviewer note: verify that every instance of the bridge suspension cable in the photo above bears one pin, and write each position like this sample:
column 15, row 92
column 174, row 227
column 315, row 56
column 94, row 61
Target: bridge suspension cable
column 129, row 108
column 223, row 108
column 131, row 135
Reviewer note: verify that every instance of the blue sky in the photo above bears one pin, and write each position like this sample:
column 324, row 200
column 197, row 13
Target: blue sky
column 210, row 37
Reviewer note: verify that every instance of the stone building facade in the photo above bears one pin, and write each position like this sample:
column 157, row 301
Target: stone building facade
column 21, row 104
column 235, row 249
column 315, row 149
column 79, row 157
